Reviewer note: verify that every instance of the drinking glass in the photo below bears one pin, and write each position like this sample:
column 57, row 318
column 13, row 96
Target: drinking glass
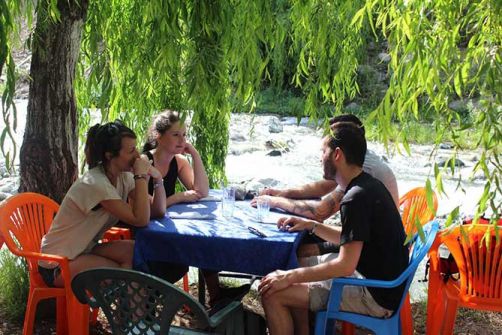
column 228, row 202
column 263, row 207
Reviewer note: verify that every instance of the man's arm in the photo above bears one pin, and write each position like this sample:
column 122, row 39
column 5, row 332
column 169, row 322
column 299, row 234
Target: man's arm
column 326, row 232
column 342, row 266
column 308, row 191
column 318, row 210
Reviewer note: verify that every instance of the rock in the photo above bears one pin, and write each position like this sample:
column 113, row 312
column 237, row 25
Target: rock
column 275, row 126
column 289, row 121
column 384, row 57
column 4, row 196
column 256, row 185
column 240, row 192
column 238, row 138
column 479, row 176
column 352, row 107
column 458, row 105
column 381, row 76
column 7, row 188
column 279, row 145
column 442, row 162
column 445, row 146
column 274, row 153
column 238, row 150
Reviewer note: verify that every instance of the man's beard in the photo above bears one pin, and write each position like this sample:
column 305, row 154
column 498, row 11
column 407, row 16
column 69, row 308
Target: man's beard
column 329, row 171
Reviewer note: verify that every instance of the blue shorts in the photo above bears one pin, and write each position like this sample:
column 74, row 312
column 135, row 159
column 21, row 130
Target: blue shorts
column 49, row 275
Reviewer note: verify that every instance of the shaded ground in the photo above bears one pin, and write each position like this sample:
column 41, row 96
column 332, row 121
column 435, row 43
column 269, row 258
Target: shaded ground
column 468, row 321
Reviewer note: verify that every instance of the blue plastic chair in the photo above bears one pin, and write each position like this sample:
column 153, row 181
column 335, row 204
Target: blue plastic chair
column 325, row 320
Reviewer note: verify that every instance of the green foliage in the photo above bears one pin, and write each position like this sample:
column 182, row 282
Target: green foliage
column 195, row 56
column 14, row 282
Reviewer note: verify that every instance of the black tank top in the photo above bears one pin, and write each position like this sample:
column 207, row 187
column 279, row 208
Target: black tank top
column 169, row 179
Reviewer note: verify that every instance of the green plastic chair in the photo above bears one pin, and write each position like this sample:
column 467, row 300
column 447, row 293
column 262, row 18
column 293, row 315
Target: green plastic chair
column 136, row 303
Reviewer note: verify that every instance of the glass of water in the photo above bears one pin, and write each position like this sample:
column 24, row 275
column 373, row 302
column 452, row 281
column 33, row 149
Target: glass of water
column 228, row 202
column 263, row 207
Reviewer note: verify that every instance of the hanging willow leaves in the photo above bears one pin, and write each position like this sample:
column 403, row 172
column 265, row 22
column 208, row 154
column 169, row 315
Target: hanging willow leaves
column 139, row 57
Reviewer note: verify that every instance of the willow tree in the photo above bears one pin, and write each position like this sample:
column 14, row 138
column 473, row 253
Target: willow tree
column 139, row 57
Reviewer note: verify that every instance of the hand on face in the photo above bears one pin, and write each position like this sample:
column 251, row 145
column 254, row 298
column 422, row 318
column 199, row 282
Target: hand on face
column 273, row 282
column 154, row 173
column 141, row 165
column 294, row 224
column 189, row 149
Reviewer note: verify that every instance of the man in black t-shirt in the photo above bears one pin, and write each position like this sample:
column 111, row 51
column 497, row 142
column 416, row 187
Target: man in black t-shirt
column 371, row 245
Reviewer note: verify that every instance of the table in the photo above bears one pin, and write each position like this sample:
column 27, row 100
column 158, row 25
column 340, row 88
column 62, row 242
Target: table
column 204, row 239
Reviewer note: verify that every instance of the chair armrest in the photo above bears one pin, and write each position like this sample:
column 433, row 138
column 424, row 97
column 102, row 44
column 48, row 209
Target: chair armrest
column 62, row 261
column 369, row 282
column 224, row 313
column 335, row 295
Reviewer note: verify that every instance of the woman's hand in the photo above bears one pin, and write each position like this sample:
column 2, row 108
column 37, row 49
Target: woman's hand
column 141, row 166
column 190, row 196
column 155, row 174
column 190, row 149
column 295, row 224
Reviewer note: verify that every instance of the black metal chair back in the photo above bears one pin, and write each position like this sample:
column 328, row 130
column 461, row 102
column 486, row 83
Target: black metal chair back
column 135, row 302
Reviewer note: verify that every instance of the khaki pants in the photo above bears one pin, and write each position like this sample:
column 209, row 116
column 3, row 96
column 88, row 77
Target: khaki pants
column 355, row 299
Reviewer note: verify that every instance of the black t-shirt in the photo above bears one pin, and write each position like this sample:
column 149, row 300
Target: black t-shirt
column 369, row 215
column 169, row 179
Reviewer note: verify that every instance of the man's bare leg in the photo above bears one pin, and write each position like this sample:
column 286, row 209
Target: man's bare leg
column 287, row 310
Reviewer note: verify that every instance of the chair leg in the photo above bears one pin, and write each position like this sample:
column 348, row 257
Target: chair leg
column 29, row 316
column 61, row 317
column 347, row 328
column 451, row 314
column 78, row 316
column 436, row 304
column 94, row 316
column 185, row 283
column 406, row 317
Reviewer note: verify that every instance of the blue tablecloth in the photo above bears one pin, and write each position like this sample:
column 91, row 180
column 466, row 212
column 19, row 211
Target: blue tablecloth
column 215, row 243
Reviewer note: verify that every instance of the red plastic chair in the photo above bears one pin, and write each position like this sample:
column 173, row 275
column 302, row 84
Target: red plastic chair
column 2, row 241
column 24, row 219
column 480, row 276
column 415, row 210
column 116, row 233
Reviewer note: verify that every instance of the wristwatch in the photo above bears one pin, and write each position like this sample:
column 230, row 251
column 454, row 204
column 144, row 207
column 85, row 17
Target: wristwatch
column 312, row 231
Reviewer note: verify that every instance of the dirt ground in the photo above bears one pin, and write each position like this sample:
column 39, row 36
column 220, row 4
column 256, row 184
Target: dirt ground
column 467, row 322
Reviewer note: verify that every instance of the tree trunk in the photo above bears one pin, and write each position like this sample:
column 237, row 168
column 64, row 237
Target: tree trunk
column 49, row 154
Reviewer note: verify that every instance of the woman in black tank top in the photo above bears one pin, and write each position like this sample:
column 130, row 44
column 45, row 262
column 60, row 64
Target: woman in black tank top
column 165, row 147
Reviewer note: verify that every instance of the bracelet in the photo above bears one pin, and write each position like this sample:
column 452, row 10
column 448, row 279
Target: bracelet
column 312, row 232
column 140, row 176
column 156, row 184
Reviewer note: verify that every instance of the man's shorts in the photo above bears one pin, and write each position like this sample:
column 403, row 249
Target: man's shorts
column 355, row 299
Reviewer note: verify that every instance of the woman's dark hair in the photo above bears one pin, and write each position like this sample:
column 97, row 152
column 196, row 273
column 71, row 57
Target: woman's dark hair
column 161, row 123
column 350, row 139
column 347, row 118
column 105, row 138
